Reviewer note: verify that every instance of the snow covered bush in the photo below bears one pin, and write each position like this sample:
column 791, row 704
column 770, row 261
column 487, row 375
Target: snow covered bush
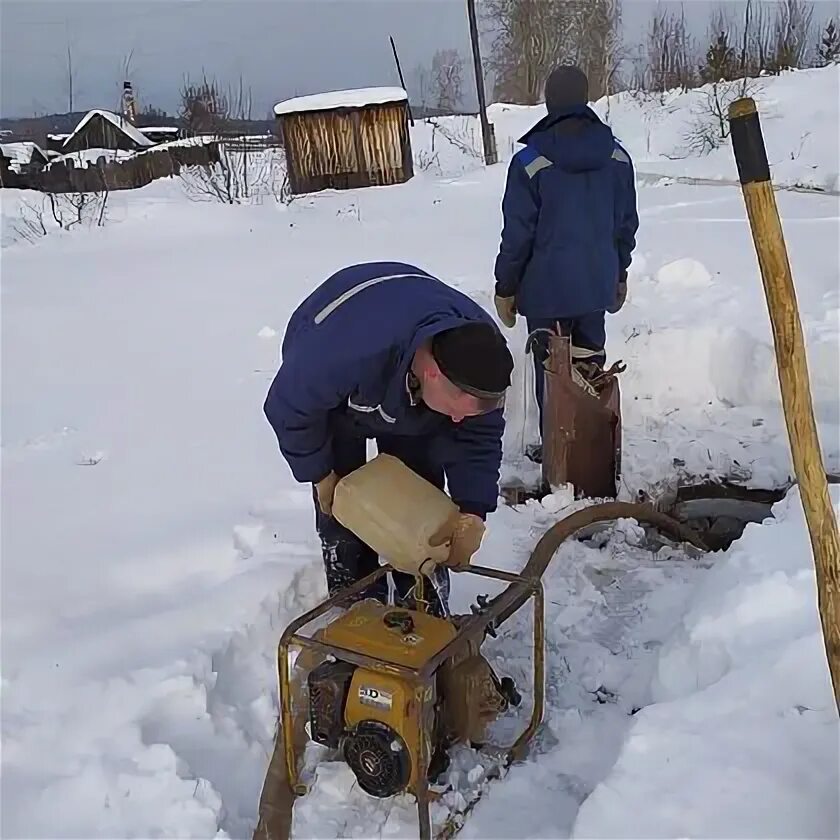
column 710, row 126
column 461, row 133
column 243, row 175
column 48, row 212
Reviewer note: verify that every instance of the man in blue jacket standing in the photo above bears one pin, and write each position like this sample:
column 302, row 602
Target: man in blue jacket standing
column 386, row 351
column 570, row 223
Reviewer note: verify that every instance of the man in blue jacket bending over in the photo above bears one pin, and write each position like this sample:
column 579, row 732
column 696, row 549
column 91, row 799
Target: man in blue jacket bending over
column 570, row 223
column 386, row 351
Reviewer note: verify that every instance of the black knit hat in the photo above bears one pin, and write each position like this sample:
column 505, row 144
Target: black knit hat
column 475, row 357
column 566, row 87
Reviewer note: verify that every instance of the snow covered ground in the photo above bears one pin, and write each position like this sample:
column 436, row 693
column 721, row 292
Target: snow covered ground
column 154, row 544
column 741, row 737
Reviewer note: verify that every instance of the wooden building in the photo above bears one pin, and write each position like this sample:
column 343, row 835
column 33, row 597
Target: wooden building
column 346, row 139
column 105, row 130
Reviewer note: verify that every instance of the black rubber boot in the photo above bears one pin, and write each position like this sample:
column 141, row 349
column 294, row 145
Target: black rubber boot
column 346, row 558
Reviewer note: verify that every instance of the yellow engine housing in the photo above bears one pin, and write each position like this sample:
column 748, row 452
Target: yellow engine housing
column 386, row 698
column 362, row 629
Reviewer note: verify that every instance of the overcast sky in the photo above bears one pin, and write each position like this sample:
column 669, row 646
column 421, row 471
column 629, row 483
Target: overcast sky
column 281, row 48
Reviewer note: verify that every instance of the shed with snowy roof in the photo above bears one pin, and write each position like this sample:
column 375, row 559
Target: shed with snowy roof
column 104, row 130
column 346, row 139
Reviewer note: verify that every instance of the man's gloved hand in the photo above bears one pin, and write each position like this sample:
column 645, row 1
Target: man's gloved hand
column 620, row 294
column 326, row 490
column 464, row 533
column 506, row 307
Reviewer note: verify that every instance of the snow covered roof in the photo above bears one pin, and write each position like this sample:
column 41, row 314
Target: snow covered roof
column 123, row 125
column 357, row 98
column 159, row 129
column 20, row 154
column 57, row 137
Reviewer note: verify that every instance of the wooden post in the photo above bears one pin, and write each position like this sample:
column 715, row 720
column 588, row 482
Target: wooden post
column 490, row 153
column 754, row 174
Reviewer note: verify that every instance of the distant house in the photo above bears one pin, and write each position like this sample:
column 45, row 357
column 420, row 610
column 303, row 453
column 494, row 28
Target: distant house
column 24, row 157
column 346, row 139
column 105, row 130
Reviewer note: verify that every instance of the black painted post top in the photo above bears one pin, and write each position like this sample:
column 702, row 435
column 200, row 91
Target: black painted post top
column 748, row 142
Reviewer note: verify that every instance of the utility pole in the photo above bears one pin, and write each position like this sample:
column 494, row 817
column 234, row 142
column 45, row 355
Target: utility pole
column 69, row 79
column 402, row 80
column 487, row 134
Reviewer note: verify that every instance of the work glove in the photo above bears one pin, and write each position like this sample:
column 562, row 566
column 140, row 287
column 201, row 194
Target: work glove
column 620, row 293
column 506, row 307
column 325, row 489
column 463, row 532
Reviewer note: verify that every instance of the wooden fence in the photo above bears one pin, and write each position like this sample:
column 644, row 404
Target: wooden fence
column 104, row 176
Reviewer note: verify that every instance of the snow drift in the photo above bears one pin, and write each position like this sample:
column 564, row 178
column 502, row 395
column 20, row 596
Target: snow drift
column 741, row 739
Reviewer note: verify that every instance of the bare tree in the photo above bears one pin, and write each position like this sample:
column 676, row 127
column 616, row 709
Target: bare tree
column 792, row 31
column 760, row 40
column 745, row 40
column 448, row 79
column 721, row 62
column 597, row 43
column 531, row 38
column 246, row 169
column 671, row 53
column 205, row 108
column 423, row 85
column 739, row 49
column 828, row 51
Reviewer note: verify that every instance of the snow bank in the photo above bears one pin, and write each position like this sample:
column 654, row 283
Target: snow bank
column 357, row 98
column 799, row 111
column 742, row 736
